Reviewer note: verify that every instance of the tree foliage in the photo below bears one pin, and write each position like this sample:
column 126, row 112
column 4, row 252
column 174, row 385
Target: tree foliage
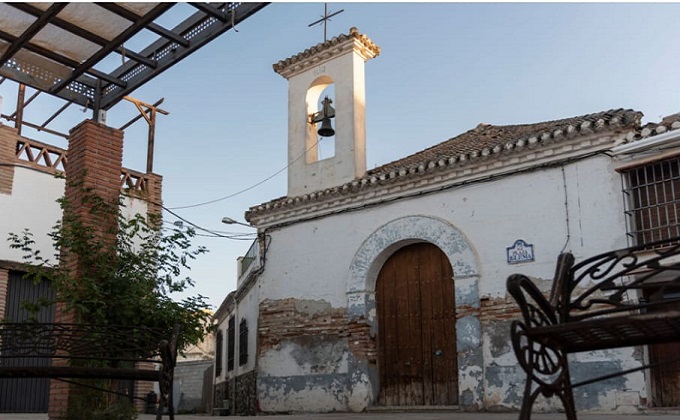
column 121, row 274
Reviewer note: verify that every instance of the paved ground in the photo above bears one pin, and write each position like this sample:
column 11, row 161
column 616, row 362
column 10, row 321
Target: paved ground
column 430, row 415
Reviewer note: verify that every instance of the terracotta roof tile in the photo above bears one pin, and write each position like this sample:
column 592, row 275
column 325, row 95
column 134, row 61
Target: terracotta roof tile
column 373, row 50
column 484, row 140
column 486, row 136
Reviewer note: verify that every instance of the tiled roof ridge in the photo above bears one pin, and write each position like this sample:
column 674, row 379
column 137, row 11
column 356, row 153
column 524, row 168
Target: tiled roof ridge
column 353, row 34
column 531, row 132
column 507, row 141
column 667, row 123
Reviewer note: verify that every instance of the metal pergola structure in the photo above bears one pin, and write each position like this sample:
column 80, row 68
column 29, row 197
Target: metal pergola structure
column 63, row 49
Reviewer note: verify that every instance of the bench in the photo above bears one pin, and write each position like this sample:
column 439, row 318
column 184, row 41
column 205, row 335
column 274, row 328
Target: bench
column 622, row 298
column 70, row 352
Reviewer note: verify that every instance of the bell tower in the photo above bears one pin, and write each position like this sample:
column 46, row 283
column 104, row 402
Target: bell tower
column 335, row 70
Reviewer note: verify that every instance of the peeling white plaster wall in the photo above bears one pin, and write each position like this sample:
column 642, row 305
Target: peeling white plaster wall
column 246, row 308
column 314, row 260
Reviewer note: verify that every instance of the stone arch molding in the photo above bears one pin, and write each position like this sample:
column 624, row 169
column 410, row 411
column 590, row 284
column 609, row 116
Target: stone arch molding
column 397, row 233
column 363, row 273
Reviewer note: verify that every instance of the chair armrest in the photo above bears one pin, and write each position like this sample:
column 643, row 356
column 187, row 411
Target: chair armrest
column 535, row 308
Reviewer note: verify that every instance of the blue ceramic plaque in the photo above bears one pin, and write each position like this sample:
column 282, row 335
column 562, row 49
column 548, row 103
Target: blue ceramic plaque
column 520, row 252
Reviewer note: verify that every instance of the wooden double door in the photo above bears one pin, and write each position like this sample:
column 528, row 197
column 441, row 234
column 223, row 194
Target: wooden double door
column 416, row 328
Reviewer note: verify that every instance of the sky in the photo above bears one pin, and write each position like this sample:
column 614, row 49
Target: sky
column 443, row 69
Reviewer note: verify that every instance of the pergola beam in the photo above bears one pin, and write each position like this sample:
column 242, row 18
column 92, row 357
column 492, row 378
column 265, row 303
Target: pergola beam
column 178, row 53
column 30, row 32
column 111, row 46
column 44, row 66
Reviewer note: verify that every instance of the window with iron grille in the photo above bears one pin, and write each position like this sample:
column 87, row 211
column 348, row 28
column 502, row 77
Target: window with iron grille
column 231, row 343
column 218, row 353
column 652, row 193
column 243, row 342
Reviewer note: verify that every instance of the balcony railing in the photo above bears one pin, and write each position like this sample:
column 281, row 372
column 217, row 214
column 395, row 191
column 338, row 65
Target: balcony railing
column 250, row 256
column 53, row 159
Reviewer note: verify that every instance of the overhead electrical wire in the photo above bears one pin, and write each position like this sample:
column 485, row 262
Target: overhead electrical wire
column 239, row 236
column 249, row 188
column 212, row 232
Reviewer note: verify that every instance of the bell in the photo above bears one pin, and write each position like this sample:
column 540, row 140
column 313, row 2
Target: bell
column 326, row 129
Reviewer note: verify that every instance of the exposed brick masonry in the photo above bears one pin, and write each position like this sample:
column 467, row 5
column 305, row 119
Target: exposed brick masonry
column 361, row 343
column 8, row 144
column 280, row 320
column 154, row 194
column 95, row 151
column 95, row 161
column 498, row 309
column 4, row 281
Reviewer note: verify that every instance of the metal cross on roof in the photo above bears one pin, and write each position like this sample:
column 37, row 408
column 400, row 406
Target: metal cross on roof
column 325, row 18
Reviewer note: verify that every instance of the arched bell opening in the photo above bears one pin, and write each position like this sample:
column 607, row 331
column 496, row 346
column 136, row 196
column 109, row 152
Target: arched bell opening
column 321, row 129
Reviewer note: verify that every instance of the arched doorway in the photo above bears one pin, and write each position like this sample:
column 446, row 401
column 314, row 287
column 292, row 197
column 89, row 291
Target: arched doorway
column 415, row 304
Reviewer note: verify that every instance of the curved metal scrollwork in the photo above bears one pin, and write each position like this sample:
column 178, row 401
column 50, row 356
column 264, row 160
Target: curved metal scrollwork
column 546, row 368
column 617, row 281
column 545, row 364
column 90, row 351
column 615, row 299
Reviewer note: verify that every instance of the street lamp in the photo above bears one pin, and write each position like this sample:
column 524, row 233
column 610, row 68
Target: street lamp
column 230, row 221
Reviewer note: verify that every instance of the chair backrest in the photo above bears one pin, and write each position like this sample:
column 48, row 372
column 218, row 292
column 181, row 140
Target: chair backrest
column 559, row 294
column 620, row 281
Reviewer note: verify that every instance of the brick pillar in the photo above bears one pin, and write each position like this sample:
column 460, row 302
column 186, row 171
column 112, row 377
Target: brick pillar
column 154, row 203
column 4, row 284
column 155, row 194
column 8, row 150
column 95, row 160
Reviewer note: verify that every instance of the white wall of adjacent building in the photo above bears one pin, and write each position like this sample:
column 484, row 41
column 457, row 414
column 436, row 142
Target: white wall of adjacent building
column 32, row 205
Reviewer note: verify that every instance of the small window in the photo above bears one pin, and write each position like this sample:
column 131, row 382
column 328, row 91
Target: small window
column 653, row 201
column 243, row 342
column 231, row 343
column 218, row 353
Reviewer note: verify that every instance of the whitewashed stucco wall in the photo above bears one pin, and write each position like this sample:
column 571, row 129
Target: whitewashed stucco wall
column 31, row 205
column 222, row 326
column 246, row 308
column 311, row 260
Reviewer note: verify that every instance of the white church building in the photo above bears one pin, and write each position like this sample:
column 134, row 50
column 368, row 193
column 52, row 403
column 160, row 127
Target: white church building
column 386, row 287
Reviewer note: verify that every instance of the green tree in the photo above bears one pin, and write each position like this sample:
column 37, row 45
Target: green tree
column 123, row 273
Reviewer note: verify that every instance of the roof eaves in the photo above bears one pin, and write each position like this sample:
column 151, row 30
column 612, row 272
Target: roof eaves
column 429, row 159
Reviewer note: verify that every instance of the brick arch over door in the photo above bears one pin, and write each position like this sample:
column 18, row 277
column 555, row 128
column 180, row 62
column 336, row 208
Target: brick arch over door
column 361, row 282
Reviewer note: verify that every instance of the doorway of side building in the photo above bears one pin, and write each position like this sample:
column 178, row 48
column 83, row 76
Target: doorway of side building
column 26, row 395
column 416, row 328
column 665, row 378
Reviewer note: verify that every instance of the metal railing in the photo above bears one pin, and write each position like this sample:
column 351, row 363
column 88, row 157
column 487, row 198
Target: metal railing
column 250, row 256
column 652, row 201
